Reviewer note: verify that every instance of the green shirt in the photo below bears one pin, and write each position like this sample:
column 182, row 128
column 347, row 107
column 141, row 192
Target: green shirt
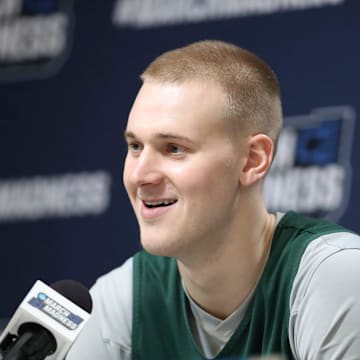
column 160, row 324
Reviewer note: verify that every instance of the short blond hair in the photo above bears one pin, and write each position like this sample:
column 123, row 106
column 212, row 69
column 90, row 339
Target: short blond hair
column 251, row 86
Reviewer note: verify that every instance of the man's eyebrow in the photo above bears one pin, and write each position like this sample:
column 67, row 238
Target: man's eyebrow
column 129, row 135
column 170, row 136
column 174, row 136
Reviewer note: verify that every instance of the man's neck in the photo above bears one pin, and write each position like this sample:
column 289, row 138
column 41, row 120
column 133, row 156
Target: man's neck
column 221, row 282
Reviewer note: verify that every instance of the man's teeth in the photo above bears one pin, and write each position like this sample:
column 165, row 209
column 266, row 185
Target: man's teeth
column 159, row 203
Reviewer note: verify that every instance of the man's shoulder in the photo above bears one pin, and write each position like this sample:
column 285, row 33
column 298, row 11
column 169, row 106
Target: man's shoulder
column 327, row 271
column 115, row 277
column 330, row 247
column 309, row 225
column 114, row 289
column 113, row 301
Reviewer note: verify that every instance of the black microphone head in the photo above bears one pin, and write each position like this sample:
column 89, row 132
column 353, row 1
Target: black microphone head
column 75, row 292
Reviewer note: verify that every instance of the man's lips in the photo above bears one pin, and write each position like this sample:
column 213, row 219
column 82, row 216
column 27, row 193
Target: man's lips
column 151, row 209
column 158, row 203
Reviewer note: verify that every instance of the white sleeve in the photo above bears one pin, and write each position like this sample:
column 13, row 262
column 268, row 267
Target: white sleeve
column 325, row 300
column 107, row 334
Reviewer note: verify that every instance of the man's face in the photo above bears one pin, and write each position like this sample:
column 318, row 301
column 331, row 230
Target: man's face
column 182, row 167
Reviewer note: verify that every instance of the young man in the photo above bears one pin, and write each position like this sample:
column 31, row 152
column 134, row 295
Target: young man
column 220, row 277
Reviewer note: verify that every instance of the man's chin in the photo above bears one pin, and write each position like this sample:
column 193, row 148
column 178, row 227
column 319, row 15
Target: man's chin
column 155, row 248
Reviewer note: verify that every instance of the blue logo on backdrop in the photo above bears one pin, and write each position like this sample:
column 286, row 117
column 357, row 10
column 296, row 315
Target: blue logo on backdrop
column 311, row 172
column 56, row 311
column 35, row 37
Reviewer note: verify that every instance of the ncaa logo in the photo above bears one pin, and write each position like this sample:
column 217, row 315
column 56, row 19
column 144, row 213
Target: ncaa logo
column 42, row 296
column 311, row 172
column 35, row 37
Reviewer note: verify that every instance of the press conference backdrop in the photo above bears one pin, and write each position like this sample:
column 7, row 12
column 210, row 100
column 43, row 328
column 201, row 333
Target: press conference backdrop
column 68, row 75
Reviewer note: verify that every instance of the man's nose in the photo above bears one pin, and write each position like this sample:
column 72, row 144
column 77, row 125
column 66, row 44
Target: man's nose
column 146, row 169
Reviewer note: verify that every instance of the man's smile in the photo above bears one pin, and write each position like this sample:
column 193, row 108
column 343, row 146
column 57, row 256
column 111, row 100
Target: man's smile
column 158, row 203
column 154, row 208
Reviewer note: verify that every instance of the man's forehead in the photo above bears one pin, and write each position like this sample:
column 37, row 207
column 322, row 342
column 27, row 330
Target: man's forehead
column 189, row 109
column 190, row 98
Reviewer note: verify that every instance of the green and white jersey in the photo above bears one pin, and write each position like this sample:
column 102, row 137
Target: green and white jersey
column 306, row 305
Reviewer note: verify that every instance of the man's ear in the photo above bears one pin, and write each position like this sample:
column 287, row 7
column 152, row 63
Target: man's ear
column 260, row 154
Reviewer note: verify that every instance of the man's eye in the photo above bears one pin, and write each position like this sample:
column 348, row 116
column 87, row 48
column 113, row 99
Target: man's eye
column 175, row 149
column 135, row 147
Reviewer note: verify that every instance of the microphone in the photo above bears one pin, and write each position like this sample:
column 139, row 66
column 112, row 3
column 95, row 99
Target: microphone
column 47, row 322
